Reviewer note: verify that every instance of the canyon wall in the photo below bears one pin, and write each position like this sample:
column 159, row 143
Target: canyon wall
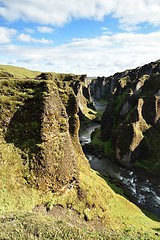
column 130, row 124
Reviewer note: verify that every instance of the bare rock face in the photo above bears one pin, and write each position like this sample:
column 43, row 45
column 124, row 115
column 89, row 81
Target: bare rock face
column 99, row 87
column 131, row 121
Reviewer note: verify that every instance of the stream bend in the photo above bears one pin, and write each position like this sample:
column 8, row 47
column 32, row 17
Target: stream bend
column 141, row 187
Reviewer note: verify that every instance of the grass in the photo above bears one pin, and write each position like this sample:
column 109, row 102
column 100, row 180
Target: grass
column 99, row 203
column 112, row 185
column 104, row 147
column 152, row 166
column 96, row 200
column 93, row 200
column 15, row 193
column 38, row 226
column 120, row 99
column 18, row 72
column 99, row 114
column 90, row 197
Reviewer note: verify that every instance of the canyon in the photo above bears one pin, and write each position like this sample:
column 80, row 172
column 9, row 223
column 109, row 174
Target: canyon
column 130, row 123
column 44, row 171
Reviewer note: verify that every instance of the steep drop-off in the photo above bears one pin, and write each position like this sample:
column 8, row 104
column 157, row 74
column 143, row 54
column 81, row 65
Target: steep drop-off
column 130, row 127
column 40, row 119
column 43, row 168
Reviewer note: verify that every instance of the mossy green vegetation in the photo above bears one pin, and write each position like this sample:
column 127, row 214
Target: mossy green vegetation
column 104, row 147
column 38, row 226
column 94, row 201
column 99, row 114
column 36, row 116
column 16, row 145
column 15, row 194
column 17, row 72
column 120, row 99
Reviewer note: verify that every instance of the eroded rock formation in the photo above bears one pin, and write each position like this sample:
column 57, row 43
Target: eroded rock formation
column 130, row 123
column 40, row 117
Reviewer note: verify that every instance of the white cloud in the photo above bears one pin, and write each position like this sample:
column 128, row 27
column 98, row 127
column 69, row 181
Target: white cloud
column 106, row 31
column 29, row 30
column 103, row 55
column 24, row 38
column 28, row 39
column 45, row 29
column 60, row 12
column 6, row 34
column 138, row 11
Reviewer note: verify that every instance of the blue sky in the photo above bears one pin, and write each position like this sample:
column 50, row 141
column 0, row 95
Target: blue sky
column 93, row 37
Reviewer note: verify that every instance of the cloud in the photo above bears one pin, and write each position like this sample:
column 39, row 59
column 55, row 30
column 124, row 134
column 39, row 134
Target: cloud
column 138, row 11
column 29, row 30
column 106, row 31
column 60, row 12
column 45, row 29
column 28, row 39
column 103, row 55
column 6, row 34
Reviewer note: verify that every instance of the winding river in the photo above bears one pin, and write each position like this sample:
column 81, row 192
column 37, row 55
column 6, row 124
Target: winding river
column 141, row 187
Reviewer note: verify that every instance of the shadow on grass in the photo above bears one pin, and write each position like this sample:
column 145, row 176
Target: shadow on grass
column 151, row 216
column 156, row 229
column 24, row 127
column 113, row 186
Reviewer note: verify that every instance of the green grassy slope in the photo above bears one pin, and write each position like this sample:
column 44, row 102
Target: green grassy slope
column 90, row 209
column 18, row 72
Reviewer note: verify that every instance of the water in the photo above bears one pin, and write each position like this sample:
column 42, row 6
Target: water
column 85, row 134
column 140, row 187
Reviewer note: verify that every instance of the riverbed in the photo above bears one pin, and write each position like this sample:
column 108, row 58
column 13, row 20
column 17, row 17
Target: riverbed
column 141, row 187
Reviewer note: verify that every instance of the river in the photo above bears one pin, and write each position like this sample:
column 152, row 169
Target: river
column 141, row 187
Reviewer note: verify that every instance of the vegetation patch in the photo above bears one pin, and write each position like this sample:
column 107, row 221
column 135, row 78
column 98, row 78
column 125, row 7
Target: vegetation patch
column 38, row 226
column 35, row 143
column 100, row 146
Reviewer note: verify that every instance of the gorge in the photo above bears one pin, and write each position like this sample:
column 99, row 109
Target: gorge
column 44, row 170
column 130, row 123
column 140, row 186
column 132, row 102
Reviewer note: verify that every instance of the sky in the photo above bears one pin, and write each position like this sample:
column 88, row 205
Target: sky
column 93, row 37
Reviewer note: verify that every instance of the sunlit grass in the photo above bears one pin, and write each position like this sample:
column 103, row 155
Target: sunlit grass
column 18, row 72
column 90, row 196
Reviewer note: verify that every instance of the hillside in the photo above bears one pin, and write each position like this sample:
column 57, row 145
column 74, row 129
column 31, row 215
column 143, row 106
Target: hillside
column 16, row 72
column 48, row 190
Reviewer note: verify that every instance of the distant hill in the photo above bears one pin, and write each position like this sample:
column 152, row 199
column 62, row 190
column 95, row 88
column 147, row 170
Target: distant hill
column 17, row 72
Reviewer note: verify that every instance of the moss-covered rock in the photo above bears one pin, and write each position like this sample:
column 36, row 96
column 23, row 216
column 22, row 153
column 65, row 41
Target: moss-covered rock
column 43, row 168
column 131, row 118
column 38, row 125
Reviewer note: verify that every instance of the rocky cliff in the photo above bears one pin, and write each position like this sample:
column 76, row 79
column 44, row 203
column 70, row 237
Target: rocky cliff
column 130, row 126
column 47, row 187
column 40, row 118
